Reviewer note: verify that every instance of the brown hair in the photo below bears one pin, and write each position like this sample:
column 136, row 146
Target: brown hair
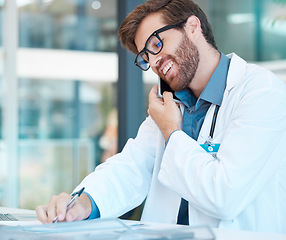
column 173, row 11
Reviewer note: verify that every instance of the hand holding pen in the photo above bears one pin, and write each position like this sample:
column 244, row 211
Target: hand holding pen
column 65, row 207
column 74, row 197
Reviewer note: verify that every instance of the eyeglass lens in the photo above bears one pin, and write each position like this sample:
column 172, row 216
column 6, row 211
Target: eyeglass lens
column 154, row 46
column 142, row 60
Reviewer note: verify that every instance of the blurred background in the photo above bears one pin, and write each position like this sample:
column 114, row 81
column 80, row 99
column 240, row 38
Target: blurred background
column 63, row 94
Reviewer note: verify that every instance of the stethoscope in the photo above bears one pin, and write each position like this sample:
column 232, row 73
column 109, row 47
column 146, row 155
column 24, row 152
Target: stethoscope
column 209, row 141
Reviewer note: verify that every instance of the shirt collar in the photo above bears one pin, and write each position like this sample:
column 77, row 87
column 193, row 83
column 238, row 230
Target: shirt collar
column 213, row 92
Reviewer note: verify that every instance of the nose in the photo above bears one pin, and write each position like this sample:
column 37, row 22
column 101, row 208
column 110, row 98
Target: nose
column 154, row 60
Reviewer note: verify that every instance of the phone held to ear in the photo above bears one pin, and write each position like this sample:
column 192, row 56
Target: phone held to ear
column 162, row 87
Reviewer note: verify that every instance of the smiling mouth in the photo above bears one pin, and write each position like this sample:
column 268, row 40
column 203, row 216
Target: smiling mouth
column 167, row 67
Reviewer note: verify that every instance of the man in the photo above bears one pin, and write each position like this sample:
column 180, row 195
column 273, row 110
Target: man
column 218, row 160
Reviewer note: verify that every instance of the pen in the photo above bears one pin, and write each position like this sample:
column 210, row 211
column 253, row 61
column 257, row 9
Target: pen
column 74, row 195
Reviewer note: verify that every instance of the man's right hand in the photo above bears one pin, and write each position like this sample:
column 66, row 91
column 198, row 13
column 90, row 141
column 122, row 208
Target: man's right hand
column 57, row 207
column 165, row 112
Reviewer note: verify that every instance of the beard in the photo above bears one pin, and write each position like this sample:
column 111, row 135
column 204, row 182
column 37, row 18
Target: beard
column 187, row 57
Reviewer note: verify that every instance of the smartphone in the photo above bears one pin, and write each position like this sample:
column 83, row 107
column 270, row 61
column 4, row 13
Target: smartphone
column 162, row 87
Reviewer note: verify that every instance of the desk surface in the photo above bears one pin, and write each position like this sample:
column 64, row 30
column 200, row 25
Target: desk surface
column 221, row 234
column 225, row 234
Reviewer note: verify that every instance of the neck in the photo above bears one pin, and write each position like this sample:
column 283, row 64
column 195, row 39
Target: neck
column 209, row 60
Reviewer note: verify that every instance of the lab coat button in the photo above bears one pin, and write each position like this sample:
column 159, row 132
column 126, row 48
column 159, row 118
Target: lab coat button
column 174, row 221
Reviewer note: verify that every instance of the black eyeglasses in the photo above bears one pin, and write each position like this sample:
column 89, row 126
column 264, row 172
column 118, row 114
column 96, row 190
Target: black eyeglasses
column 153, row 45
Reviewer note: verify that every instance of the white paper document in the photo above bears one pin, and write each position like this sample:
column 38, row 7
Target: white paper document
column 105, row 229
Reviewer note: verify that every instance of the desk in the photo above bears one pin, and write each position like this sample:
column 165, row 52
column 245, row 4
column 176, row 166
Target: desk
column 225, row 234
column 221, row 234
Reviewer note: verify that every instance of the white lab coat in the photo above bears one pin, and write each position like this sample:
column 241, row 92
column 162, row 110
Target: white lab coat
column 243, row 188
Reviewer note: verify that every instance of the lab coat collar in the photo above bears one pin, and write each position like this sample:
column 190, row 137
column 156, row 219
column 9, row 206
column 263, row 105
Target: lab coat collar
column 236, row 70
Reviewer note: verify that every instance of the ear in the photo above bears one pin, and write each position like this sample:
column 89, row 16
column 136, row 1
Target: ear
column 193, row 28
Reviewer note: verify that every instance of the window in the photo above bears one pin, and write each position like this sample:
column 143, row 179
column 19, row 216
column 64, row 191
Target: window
column 65, row 97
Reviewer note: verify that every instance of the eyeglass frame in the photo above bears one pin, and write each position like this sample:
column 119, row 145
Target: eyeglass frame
column 145, row 50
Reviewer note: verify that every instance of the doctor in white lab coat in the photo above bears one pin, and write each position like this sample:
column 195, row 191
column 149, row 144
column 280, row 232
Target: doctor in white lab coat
column 241, row 186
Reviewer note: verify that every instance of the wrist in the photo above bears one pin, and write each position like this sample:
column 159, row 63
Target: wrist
column 86, row 204
column 168, row 133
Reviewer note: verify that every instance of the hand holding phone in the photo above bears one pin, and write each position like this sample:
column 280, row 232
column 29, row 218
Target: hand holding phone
column 162, row 87
column 165, row 113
